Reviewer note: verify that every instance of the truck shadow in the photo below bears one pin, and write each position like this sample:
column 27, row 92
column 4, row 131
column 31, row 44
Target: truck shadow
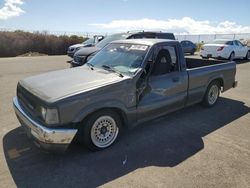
column 165, row 142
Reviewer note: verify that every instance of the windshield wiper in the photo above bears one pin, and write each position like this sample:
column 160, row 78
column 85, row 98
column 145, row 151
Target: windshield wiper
column 91, row 66
column 109, row 68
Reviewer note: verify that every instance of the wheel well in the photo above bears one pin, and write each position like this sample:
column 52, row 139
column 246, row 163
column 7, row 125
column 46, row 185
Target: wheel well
column 120, row 113
column 220, row 81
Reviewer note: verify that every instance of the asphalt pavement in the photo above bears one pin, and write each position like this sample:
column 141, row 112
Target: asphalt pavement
column 193, row 147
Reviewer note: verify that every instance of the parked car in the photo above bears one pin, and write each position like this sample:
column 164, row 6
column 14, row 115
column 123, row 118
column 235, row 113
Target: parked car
column 124, row 84
column 225, row 49
column 83, row 55
column 188, row 47
column 88, row 43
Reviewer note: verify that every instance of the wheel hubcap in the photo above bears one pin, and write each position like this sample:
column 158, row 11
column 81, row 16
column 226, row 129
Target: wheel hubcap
column 104, row 131
column 213, row 94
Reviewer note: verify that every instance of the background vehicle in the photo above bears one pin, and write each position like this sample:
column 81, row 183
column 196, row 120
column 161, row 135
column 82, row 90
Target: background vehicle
column 88, row 43
column 225, row 49
column 188, row 47
column 126, row 83
column 83, row 55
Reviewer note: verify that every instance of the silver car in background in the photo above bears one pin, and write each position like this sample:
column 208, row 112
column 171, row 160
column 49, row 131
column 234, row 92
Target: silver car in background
column 88, row 43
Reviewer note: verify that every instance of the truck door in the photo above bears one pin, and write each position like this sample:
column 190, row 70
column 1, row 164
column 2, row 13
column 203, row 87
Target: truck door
column 166, row 87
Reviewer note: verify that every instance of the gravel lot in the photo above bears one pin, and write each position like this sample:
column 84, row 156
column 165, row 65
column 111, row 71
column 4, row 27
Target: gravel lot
column 194, row 147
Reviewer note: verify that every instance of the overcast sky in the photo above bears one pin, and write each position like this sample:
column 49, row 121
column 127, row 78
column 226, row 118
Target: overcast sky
column 178, row 16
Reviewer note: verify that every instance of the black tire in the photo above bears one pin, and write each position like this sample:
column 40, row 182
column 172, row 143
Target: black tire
column 85, row 129
column 247, row 55
column 207, row 97
column 204, row 57
column 232, row 56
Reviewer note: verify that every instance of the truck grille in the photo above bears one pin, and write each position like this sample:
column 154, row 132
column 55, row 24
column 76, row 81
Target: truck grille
column 28, row 101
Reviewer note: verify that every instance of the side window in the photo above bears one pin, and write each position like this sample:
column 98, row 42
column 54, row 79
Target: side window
column 166, row 61
column 236, row 43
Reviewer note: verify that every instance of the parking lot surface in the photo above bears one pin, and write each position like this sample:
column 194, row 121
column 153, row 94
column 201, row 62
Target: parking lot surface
column 193, row 147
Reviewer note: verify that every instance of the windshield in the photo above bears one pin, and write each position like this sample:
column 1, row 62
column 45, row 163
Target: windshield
column 111, row 38
column 123, row 58
column 89, row 41
column 222, row 42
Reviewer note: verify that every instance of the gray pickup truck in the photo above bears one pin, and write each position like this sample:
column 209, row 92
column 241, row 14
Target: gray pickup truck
column 126, row 83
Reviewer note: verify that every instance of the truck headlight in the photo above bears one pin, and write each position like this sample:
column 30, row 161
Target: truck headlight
column 50, row 115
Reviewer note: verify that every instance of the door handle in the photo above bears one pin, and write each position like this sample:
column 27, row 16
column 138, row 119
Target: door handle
column 176, row 79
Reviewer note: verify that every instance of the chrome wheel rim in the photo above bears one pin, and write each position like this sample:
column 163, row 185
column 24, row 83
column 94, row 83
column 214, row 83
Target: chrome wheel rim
column 213, row 94
column 104, row 131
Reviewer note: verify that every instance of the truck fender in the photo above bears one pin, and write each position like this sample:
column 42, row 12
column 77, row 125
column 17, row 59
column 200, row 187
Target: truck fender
column 217, row 77
column 86, row 110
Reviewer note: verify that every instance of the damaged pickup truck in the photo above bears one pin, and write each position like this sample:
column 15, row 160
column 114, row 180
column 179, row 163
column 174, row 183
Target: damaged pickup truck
column 124, row 84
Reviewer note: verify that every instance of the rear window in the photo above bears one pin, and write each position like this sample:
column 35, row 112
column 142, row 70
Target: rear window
column 165, row 36
column 223, row 42
column 153, row 35
column 111, row 38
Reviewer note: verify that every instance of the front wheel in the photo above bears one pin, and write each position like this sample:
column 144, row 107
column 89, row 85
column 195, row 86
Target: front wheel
column 100, row 130
column 247, row 55
column 232, row 56
column 212, row 94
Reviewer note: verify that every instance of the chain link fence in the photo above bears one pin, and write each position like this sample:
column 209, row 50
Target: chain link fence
column 210, row 37
column 203, row 38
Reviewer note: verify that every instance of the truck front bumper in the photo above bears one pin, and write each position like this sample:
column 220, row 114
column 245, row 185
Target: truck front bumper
column 47, row 138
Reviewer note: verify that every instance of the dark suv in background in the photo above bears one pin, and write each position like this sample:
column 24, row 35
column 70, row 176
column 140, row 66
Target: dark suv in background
column 188, row 47
column 84, row 54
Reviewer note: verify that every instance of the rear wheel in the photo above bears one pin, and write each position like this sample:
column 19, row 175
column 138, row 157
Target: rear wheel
column 232, row 56
column 212, row 94
column 100, row 130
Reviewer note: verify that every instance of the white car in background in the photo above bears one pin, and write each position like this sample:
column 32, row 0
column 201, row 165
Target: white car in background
column 225, row 49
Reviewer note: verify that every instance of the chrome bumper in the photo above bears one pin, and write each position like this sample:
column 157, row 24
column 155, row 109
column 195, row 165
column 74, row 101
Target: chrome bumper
column 45, row 136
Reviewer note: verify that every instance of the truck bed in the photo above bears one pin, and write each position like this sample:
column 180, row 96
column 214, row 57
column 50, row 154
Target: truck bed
column 195, row 63
column 201, row 72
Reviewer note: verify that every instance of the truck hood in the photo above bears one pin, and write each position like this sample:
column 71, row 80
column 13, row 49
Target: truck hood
column 56, row 85
column 86, row 51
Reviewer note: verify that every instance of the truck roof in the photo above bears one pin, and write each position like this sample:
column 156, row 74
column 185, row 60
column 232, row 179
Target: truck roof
column 149, row 42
